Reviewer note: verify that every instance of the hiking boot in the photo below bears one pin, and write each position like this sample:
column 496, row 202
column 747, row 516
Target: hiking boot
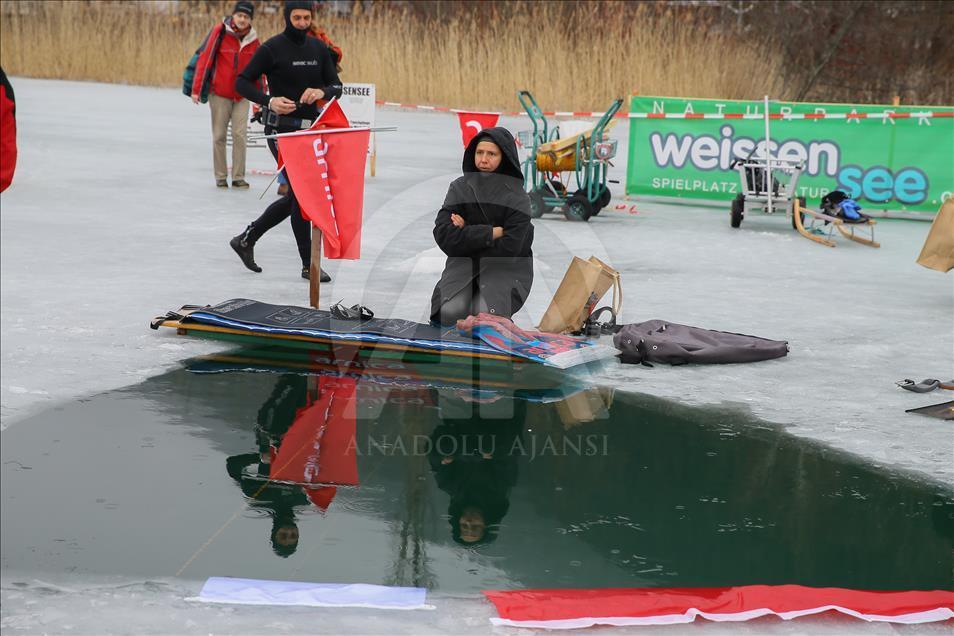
column 282, row 189
column 221, row 183
column 245, row 248
column 241, row 184
column 324, row 278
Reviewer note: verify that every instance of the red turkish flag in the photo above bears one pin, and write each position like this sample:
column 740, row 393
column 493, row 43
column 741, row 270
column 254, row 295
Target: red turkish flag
column 331, row 116
column 326, row 172
column 473, row 123
column 579, row 608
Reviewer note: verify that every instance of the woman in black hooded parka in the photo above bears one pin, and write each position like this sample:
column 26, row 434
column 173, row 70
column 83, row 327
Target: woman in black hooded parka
column 484, row 228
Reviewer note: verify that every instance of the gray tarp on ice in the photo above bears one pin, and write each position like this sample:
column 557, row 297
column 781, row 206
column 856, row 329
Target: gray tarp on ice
column 661, row 341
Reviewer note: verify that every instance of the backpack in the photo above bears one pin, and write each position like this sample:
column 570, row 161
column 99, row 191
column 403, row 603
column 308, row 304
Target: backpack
column 838, row 204
column 188, row 76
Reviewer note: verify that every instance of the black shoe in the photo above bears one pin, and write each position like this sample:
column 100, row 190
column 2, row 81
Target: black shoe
column 221, row 183
column 324, row 278
column 241, row 184
column 245, row 249
column 354, row 312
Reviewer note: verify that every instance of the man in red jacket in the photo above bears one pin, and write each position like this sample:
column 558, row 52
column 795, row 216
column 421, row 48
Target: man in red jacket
column 8, row 132
column 230, row 46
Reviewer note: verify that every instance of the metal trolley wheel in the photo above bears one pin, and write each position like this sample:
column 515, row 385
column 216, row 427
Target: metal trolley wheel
column 738, row 210
column 602, row 200
column 537, row 206
column 578, row 207
column 582, row 163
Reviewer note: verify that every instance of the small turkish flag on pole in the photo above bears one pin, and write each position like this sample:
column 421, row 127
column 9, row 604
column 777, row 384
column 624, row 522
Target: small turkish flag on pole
column 473, row 123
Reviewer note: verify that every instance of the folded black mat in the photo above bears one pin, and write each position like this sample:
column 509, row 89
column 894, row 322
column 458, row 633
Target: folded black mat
column 258, row 317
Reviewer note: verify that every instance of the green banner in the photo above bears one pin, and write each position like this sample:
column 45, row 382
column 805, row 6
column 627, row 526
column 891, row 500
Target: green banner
column 897, row 164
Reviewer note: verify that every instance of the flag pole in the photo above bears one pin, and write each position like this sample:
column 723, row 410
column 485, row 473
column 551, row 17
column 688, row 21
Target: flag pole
column 374, row 152
column 314, row 273
column 325, row 131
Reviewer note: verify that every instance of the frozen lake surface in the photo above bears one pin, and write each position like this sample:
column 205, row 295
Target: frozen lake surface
column 113, row 218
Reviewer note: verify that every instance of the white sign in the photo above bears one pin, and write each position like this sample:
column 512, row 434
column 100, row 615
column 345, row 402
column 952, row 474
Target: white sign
column 357, row 101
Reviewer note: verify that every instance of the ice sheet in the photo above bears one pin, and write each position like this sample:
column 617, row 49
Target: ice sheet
column 113, row 217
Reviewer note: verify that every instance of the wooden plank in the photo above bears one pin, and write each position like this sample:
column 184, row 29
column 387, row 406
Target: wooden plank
column 290, row 340
column 569, row 142
column 386, row 373
column 851, row 236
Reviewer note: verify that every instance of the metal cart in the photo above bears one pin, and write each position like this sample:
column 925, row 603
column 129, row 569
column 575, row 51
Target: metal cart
column 768, row 186
column 586, row 154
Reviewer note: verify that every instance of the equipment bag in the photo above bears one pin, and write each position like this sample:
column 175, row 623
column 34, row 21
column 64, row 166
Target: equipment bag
column 188, row 76
column 661, row 341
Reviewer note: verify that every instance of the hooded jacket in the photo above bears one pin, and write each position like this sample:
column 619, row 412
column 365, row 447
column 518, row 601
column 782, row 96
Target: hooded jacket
column 503, row 268
column 227, row 60
column 8, row 132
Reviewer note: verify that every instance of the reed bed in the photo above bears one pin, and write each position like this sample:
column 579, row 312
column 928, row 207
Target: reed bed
column 571, row 56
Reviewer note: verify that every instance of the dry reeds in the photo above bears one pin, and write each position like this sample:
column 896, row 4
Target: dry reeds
column 572, row 56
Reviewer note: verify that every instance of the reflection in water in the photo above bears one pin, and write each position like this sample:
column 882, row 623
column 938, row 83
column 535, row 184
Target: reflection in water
column 471, row 454
column 305, row 434
column 403, row 473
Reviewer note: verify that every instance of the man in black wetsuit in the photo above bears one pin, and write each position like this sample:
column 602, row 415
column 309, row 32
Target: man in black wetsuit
column 301, row 73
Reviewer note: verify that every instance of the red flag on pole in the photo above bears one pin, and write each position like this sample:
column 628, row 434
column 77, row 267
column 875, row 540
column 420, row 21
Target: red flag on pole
column 473, row 123
column 327, row 174
column 331, row 116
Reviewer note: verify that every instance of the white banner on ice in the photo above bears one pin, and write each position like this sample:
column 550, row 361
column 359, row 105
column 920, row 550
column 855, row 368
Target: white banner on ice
column 220, row 589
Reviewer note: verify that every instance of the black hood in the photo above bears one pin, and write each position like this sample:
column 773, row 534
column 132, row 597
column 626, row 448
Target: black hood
column 296, row 35
column 509, row 164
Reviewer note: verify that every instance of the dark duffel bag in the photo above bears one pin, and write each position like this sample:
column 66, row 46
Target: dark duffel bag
column 661, row 341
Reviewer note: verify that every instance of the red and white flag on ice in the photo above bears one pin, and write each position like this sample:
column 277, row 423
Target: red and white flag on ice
column 569, row 609
column 326, row 172
column 473, row 123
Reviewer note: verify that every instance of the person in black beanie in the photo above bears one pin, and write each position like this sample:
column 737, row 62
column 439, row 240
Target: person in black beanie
column 301, row 76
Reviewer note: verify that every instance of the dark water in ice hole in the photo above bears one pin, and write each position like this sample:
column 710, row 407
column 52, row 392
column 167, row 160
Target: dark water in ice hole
column 442, row 487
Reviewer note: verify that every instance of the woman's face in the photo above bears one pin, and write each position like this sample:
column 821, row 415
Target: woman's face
column 488, row 156
column 472, row 525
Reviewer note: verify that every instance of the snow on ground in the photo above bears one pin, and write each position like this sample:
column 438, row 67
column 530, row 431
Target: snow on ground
column 113, row 218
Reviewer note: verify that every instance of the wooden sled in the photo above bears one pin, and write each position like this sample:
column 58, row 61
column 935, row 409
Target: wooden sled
column 845, row 229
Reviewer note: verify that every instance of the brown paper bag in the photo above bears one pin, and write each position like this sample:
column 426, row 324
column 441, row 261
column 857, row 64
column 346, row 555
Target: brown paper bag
column 567, row 310
column 938, row 251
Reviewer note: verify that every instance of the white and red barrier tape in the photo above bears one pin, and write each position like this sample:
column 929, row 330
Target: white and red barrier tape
column 778, row 116
column 787, row 116
column 445, row 109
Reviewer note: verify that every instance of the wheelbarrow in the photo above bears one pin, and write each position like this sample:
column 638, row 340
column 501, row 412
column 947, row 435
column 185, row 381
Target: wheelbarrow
column 586, row 154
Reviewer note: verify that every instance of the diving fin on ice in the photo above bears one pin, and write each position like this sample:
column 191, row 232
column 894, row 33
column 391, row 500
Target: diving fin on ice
column 942, row 411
